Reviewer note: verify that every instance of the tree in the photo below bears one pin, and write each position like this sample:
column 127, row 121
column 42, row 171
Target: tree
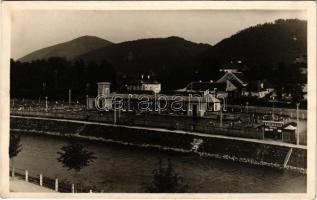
column 166, row 180
column 15, row 148
column 74, row 156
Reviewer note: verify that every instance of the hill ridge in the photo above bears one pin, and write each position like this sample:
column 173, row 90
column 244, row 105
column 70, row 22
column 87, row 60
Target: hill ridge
column 68, row 49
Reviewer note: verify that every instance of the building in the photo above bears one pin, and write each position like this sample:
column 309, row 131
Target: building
column 259, row 89
column 147, row 83
column 280, row 130
column 236, row 83
column 185, row 103
column 289, row 132
column 149, row 100
column 216, row 90
column 103, row 94
column 219, row 89
column 273, row 129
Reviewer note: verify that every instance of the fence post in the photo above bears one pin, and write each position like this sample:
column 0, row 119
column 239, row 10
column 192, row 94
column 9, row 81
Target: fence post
column 26, row 176
column 41, row 180
column 56, row 185
column 73, row 188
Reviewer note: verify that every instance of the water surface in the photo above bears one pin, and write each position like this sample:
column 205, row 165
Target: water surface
column 120, row 168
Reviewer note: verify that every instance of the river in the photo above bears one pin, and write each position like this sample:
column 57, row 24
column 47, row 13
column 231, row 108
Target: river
column 120, row 168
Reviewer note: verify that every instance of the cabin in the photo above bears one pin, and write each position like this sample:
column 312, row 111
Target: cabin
column 235, row 81
column 289, row 133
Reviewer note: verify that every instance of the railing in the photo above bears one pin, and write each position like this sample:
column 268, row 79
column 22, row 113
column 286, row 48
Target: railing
column 55, row 184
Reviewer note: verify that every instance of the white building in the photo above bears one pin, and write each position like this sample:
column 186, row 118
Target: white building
column 144, row 84
column 104, row 96
column 153, row 86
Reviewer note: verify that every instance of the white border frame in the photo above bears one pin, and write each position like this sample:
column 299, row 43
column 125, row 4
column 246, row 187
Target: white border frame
column 9, row 7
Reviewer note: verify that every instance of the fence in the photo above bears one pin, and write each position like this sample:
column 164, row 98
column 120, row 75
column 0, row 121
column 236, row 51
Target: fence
column 210, row 125
column 47, row 182
column 233, row 124
column 292, row 113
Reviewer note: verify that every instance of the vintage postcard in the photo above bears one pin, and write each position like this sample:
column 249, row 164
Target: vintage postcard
column 158, row 99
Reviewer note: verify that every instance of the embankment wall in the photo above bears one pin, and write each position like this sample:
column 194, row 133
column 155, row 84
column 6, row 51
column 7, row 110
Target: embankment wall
column 241, row 150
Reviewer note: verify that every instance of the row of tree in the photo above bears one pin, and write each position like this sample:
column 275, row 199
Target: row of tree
column 55, row 76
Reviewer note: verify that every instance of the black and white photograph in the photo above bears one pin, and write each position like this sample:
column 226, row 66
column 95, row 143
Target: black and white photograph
column 177, row 101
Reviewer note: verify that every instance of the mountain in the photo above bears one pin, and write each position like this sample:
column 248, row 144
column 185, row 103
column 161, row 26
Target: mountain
column 69, row 50
column 265, row 51
column 269, row 43
column 262, row 46
column 154, row 55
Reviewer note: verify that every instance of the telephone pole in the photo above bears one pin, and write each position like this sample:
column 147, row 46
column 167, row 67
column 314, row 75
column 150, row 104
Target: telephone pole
column 297, row 120
column 69, row 96
column 46, row 104
column 220, row 115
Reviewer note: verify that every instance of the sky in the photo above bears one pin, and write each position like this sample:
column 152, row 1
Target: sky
column 33, row 30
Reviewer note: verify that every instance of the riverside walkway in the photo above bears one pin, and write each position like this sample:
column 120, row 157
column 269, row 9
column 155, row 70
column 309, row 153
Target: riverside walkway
column 270, row 142
column 18, row 185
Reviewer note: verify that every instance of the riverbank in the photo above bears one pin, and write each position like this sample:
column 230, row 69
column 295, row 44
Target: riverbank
column 233, row 124
column 252, row 151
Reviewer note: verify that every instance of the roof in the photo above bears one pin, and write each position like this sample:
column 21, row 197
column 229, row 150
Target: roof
column 131, row 81
column 290, row 126
column 241, row 77
column 104, row 83
column 136, row 81
column 238, row 76
column 203, row 86
column 149, row 82
column 182, row 92
column 236, row 83
column 144, row 92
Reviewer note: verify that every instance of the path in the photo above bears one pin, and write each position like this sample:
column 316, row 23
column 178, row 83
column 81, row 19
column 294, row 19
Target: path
column 270, row 142
column 18, row 185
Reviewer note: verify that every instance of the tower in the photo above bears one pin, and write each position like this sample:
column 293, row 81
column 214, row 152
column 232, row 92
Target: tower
column 104, row 89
